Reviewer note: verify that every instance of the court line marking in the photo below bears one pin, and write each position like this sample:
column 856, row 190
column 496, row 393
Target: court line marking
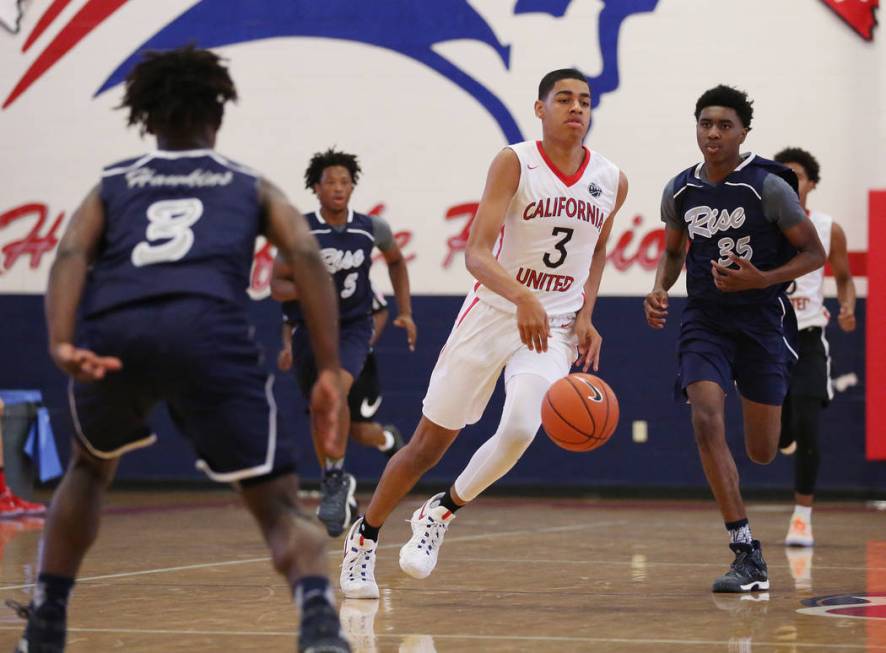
column 650, row 563
column 336, row 552
column 453, row 636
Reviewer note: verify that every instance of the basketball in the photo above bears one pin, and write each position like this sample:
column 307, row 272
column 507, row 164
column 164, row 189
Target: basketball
column 579, row 412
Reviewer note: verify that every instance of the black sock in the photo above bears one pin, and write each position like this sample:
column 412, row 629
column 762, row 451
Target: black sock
column 312, row 588
column 369, row 532
column 52, row 589
column 447, row 502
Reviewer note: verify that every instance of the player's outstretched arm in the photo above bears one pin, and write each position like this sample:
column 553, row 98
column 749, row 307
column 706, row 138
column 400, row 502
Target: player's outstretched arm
column 287, row 229
column 399, row 275
column 501, row 185
column 655, row 306
column 67, row 278
column 589, row 339
column 838, row 257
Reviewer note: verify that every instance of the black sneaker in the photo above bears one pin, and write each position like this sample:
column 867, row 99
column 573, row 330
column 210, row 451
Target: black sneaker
column 336, row 501
column 747, row 573
column 398, row 440
column 320, row 630
column 46, row 629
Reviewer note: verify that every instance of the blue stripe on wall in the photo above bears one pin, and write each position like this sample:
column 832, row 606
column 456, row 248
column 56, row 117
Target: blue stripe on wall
column 639, row 364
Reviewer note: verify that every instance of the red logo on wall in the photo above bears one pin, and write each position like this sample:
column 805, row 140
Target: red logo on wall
column 858, row 14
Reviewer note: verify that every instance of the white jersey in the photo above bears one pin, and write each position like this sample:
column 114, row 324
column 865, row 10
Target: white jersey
column 551, row 228
column 808, row 294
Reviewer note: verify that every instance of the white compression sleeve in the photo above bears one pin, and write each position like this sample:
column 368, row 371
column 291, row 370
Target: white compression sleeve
column 520, row 420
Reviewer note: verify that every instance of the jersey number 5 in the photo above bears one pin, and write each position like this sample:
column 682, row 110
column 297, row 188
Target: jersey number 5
column 560, row 246
column 169, row 221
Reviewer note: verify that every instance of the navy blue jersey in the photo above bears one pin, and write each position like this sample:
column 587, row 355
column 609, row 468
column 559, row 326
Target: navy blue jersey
column 176, row 222
column 744, row 214
column 347, row 253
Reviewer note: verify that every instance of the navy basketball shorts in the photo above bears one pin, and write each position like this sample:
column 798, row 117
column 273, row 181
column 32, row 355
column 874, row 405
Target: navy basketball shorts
column 752, row 347
column 353, row 348
column 365, row 396
column 198, row 355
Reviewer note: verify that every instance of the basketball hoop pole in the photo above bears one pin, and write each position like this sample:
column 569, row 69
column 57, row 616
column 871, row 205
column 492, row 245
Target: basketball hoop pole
column 876, row 318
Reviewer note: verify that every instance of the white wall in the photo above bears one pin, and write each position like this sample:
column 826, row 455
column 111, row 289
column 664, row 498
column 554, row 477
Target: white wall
column 425, row 144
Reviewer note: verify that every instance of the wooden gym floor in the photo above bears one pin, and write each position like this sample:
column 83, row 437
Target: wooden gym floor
column 188, row 572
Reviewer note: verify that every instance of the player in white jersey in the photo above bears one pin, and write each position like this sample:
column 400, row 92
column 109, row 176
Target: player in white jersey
column 537, row 249
column 810, row 387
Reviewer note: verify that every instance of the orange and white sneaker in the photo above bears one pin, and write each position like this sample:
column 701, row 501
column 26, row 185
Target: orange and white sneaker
column 24, row 506
column 799, row 532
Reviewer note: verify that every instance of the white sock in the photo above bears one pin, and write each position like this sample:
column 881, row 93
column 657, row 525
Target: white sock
column 389, row 441
column 803, row 512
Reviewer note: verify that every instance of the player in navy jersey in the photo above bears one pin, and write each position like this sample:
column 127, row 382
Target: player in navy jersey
column 365, row 396
column 156, row 264
column 748, row 237
column 346, row 239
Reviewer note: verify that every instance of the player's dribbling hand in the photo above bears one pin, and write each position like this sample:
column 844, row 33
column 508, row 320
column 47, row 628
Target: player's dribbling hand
column 325, row 402
column 284, row 359
column 404, row 321
column 655, row 306
column 729, row 279
column 846, row 318
column 82, row 364
column 532, row 321
column 589, row 344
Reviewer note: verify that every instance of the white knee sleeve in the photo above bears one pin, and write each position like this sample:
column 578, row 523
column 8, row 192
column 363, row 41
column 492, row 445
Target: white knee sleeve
column 520, row 420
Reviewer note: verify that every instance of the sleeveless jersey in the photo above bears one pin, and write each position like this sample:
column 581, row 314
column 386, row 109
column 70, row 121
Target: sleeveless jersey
column 176, row 222
column 808, row 294
column 347, row 253
column 728, row 217
column 551, row 228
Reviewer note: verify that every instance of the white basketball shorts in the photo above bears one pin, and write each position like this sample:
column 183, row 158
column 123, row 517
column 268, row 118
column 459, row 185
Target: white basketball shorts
column 484, row 341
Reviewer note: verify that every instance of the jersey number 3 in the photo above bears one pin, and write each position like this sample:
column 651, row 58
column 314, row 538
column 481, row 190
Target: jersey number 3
column 560, row 246
column 169, row 221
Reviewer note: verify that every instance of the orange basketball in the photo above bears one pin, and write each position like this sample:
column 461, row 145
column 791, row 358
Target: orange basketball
column 579, row 412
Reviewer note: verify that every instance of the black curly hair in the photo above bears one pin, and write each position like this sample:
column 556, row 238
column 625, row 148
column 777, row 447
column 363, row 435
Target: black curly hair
column 178, row 91
column 331, row 157
column 727, row 96
column 548, row 81
column 804, row 159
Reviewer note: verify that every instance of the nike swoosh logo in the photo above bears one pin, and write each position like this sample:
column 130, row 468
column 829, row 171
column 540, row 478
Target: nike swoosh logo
column 596, row 395
column 367, row 410
column 531, row 167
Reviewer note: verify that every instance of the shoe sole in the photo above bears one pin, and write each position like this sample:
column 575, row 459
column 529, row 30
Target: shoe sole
column 799, row 544
column 755, row 586
column 334, row 528
column 365, row 594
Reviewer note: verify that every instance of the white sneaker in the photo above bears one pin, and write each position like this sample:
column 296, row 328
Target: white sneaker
column 357, row 579
column 799, row 533
column 418, row 556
